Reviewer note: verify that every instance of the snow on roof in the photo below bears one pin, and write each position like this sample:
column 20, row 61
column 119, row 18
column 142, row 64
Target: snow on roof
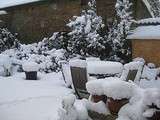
column 2, row 12
column 149, row 21
column 146, row 32
column 10, row 3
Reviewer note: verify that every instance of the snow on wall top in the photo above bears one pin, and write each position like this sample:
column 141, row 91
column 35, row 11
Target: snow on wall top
column 2, row 12
column 149, row 21
column 10, row 3
column 146, row 32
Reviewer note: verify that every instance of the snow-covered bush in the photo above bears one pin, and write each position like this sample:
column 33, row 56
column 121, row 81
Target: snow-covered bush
column 47, row 59
column 84, row 37
column 7, row 40
column 5, row 65
column 119, row 30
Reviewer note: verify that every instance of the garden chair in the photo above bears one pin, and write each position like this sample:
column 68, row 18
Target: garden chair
column 132, row 71
column 79, row 77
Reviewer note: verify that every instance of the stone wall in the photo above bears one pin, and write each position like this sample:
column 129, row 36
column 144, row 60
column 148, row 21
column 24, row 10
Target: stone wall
column 147, row 49
column 35, row 21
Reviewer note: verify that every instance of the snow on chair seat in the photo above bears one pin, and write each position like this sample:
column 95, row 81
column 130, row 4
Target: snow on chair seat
column 104, row 68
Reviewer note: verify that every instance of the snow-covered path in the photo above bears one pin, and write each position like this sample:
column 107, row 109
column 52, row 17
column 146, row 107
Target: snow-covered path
column 31, row 100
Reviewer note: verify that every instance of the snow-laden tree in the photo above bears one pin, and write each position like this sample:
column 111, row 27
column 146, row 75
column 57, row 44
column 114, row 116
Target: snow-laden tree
column 118, row 32
column 155, row 7
column 84, row 35
column 7, row 40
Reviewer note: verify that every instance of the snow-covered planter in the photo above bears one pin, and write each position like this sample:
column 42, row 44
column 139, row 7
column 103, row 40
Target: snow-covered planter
column 115, row 105
column 30, row 69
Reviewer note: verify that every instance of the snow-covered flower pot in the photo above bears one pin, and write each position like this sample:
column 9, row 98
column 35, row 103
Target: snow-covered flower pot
column 97, row 98
column 30, row 69
column 115, row 105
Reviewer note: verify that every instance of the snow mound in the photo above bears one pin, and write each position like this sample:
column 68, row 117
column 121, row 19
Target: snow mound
column 30, row 66
column 111, row 87
column 78, row 63
column 104, row 67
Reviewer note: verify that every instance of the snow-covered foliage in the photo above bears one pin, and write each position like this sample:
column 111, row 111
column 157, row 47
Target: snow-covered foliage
column 84, row 37
column 119, row 30
column 7, row 40
column 47, row 59
column 142, row 105
column 5, row 65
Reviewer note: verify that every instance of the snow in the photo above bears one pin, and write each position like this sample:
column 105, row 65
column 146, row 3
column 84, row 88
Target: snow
column 31, row 100
column 150, row 73
column 104, row 67
column 111, row 87
column 30, row 66
column 2, row 12
column 78, row 63
column 145, row 32
column 10, row 3
column 149, row 21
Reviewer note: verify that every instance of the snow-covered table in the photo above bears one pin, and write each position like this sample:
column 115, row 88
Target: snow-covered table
column 104, row 68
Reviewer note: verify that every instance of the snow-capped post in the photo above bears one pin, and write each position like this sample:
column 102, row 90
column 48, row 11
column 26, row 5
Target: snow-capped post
column 84, row 37
column 30, row 69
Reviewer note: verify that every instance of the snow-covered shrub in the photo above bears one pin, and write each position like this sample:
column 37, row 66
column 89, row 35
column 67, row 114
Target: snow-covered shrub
column 139, row 106
column 68, row 111
column 48, row 60
column 7, row 40
column 5, row 65
column 119, row 30
column 84, row 37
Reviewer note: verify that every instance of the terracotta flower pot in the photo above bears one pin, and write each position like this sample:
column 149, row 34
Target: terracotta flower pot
column 97, row 98
column 31, row 75
column 115, row 105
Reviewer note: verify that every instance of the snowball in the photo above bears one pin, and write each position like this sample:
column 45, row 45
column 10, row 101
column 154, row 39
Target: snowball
column 81, row 110
column 151, row 65
column 104, row 67
column 30, row 66
column 78, row 63
column 149, row 113
column 99, row 107
column 5, row 61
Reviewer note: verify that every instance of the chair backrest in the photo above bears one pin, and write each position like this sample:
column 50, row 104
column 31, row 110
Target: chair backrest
column 79, row 77
column 132, row 71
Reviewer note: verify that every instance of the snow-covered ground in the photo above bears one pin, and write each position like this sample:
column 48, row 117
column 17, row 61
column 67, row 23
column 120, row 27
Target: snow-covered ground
column 22, row 99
